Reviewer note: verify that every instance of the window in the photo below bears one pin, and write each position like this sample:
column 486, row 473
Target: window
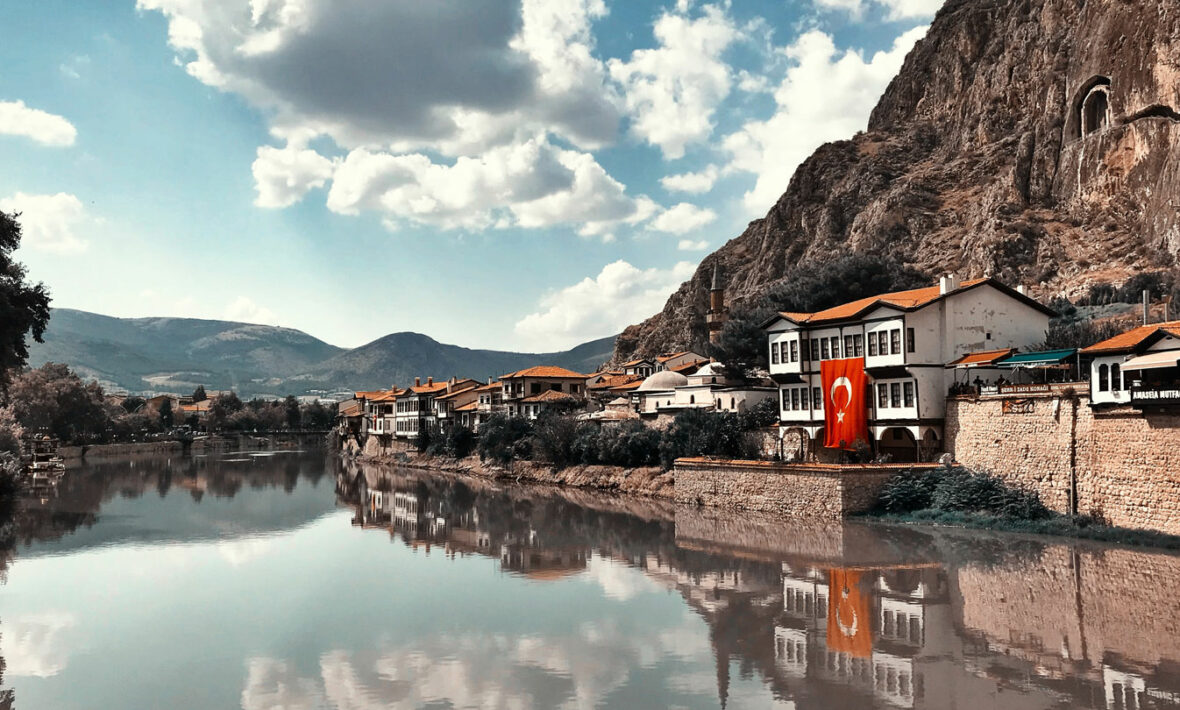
column 908, row 393
column 882, row 396
column 824, row 351
column 895, row 341
column 895, row 394
column 794, row 398
column 872, row 345
column 786, row 400
column 1116, row 383
column 794, row 351
column 835, row 346
column 817, row 398
column 909, row 340
column 535, row 388
column 847, row 346
column 858, row 345
column 1103, row 378
column 882, row 342
column 774, row 353
column 805, row 346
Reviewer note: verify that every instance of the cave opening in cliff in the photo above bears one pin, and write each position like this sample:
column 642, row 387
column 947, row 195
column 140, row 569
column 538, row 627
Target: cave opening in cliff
column 1092, row 108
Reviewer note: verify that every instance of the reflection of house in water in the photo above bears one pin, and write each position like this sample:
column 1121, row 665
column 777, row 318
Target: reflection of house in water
column 540, row 562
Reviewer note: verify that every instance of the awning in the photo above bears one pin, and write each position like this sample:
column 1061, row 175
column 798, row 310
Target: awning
column 1044, row 358
column 1153, row 361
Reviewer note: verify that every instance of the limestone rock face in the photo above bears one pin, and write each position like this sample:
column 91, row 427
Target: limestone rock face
column 1037, row 141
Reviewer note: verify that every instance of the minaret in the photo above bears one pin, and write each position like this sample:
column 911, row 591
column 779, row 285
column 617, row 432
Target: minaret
column 718, row 313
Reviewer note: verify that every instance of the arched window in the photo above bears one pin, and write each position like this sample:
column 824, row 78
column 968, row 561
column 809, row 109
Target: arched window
column 1091, row 107
column 731, row 402
column 1103, row 378
column 692, row 399
column 1116, row 378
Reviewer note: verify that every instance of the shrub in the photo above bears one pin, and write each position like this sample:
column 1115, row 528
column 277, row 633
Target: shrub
column 553, row 438
column 503, row 438
column 699, row 433
column 959, row 490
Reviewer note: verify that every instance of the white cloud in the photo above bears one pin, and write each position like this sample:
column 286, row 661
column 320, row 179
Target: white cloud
column 463, row 145
column 695, row 183
column 530, row 184
column 17, row 119
column 49, row 222
column 690, row 245
column 683, row 218
column 907, row 9
column 672, row 91
column 283, row 176
column 602, row 305
column 895, row 9
column 36, row 644
column 245, row 310
column 826, row 95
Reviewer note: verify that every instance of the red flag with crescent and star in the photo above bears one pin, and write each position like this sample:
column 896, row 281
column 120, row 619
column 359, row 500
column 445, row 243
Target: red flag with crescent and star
column 849, row 616
column 846, row 418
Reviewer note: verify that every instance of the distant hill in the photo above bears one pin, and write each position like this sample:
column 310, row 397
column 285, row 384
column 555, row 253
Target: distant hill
column 176, row 354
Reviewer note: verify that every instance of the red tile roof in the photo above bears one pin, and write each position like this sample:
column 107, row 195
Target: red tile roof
column 469, row 407
column 614, row 381
column 547, row 396
column 672, row 356
column 551, row 371
column 904, row 300
column 627, row 387
column 1133, row 338
column 491, row 386
column 982, row 357
column 632, row 363
column 690, row 367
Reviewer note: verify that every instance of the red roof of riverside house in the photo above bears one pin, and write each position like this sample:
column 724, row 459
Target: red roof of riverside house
column 387, row 396
column 671, row 356
column 1134, row 338
column 612, row 381
column 351, row 408
column 469, row 407
column 631, row 363
column 489, row 387
column 545, row 371
column 547, row 396
column 461, row 387
column 426, row 389
column 627, row 387
column 981, row 358
column 690, row 367
column 910, row 300
column 368, row 395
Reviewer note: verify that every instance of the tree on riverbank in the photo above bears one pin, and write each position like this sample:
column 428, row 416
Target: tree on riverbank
column 24, row 306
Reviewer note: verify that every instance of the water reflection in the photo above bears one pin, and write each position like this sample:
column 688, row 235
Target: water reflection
column 405, row 589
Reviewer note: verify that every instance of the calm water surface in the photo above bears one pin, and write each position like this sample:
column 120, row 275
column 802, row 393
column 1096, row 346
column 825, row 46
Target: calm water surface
column 294, row 581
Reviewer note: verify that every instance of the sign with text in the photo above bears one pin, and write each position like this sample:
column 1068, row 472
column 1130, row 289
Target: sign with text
column 1162, row 395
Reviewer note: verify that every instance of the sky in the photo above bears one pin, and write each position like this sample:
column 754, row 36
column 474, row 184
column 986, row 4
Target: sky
column 511, row 174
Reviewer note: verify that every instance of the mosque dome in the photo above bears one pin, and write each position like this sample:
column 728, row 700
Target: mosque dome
column 663, row 381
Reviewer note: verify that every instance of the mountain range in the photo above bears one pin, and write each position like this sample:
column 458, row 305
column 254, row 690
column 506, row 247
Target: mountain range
column 149, row 355
column 1036, row 141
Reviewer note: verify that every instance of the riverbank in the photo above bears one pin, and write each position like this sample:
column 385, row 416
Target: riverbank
column 649, row 481
column 74, row 455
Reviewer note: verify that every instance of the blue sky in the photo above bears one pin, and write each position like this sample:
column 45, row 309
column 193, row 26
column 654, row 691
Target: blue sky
column 521, row 175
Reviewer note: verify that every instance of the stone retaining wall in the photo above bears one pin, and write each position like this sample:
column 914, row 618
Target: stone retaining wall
column 1120, row 463
column 823, row 491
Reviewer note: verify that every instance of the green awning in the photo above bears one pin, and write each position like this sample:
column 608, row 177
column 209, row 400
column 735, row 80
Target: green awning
column 1045, row 358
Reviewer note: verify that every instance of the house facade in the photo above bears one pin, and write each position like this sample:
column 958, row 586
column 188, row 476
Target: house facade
column 905, row 340
column 1140, row 367
column 709, row 388
column 533, row 381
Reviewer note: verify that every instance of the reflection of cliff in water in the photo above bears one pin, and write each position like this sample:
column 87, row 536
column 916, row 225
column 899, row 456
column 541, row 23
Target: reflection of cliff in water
column 836, row 615
column 117, row 490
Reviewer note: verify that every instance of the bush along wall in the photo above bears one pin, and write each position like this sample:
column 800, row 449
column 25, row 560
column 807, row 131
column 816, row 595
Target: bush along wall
column 955, row 495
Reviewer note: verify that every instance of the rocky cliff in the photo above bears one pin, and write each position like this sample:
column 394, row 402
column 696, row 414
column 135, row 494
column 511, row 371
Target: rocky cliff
column 1033, row 140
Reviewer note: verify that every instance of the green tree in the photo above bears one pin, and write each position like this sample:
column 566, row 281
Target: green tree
column 199, row 394
column 24, row 307
column 553, row 438
column 292, row 412
column 133, row 403
column 52, row 398
column 166, row 415
column 696, row 432
column 503, row 438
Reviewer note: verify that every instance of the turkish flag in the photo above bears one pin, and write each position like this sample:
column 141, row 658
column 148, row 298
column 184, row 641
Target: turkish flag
column 849, row 617
column 846, row 418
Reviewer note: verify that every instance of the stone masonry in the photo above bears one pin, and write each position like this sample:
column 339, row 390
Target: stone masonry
column 1121, row 464
column 820, row 491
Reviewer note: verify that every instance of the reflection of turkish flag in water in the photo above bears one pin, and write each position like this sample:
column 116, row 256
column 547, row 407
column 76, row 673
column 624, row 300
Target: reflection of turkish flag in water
column 849, row 620
column 845, row 414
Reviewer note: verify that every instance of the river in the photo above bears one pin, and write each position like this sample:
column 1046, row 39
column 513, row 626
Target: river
column 298, row 581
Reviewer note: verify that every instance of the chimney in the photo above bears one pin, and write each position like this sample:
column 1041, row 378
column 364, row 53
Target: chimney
column 429, row 381
column 417, row 381
column 1146, row 307
column 948, row 283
